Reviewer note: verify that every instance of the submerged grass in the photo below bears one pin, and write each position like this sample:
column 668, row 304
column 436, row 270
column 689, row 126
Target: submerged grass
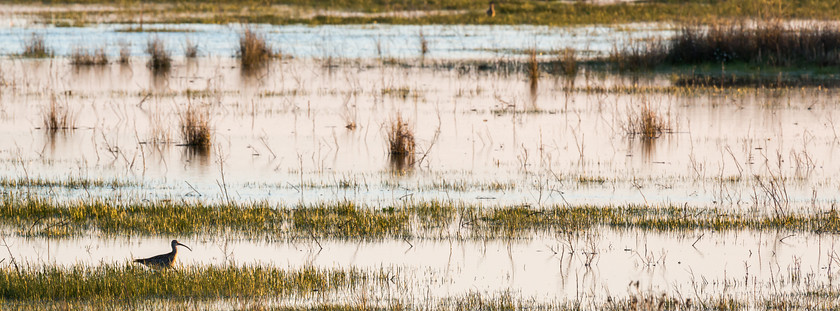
column 81, row 282
column 36, row 47
column 86, row 57
column 195, row 128
column 160, row 59
column 254, row 51
column 345, row 220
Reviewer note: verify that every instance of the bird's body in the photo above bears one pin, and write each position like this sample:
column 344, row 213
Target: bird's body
column 492, row 10
column 163, row 260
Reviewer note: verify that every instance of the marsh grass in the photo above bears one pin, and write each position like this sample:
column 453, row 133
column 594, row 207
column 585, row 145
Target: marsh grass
column 190, row 49
column 345, row 220
column 70, row 182
column 765, row 43
column 58, row 117
column 567, row 62
column 106, row 281
column 86, row 57
column 638, row 56
column 254, row 51
column 160, row 58
column 533, row 69
column 773, row 43
column 401, row 143
column 36, row 47
column 424, row 44
column 646, row 122
column 400, row 137
column 125, row 53
column 195, row 127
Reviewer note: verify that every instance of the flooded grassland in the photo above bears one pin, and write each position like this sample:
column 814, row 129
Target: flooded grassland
column 435, row 167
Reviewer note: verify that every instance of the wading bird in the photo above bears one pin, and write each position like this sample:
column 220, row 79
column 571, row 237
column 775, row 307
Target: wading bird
column 163, row 260
column 492, row 10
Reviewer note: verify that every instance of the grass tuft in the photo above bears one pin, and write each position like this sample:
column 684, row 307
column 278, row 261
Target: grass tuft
column 190, row 49
column 125, row 53
column 195, row 127
column 568, row 63
column 646, row 123
column 85, row 57
column 58, row 117
column 533, row 69
column 160, row 59
column 254, row 51
column 401, row 143
column 36, row 47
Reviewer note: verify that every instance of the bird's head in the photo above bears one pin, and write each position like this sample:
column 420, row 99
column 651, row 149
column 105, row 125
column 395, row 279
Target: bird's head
column 176, row 243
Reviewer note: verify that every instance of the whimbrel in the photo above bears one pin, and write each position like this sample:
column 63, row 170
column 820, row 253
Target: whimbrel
column 163, row 260
column 492, row 10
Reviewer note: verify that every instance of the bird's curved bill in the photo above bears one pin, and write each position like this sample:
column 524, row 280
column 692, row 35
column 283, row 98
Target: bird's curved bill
column 185, row 246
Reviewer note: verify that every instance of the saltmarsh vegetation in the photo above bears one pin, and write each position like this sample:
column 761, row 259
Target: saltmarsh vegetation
column 345, row 220
column 115, row 281
column 58, row 116
column 254, row 51
column 401, row 143
column 762, row 43
column 195, row 127
column 457, row 12
column 36, row 47
column 160, row 59
column 88, row 57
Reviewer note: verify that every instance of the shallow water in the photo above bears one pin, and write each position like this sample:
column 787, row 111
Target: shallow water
column 601, row 262
column 280, row 136
column 338, row 41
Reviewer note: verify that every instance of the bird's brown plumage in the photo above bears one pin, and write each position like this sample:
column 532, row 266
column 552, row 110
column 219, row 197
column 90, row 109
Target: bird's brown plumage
column 163, row 260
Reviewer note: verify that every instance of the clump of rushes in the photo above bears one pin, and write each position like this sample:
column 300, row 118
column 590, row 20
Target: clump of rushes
column 85, row 57
column 254, row 51
column 190, row 49
column 125, row 53
column 114, row 281
column 424, row 44
column 57, row 117
column 160, row 60
column 195, row 127
column 638, row 56
column 533, row 69
column 36, row 47
column 647, row 123
column 400, row 138
column 769, row 43
column 567, row 59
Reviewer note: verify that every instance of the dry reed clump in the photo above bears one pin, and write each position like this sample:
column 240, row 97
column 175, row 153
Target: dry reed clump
column 647, row 123
column 125, row 53
column 769, row 43
column 85, row 57
column 772, row 43
column 254, row 51
column 190, row 49
column 567, row 61
column 36, row 47
column 160, row 59
column 58, row 117
column 424, row 44
column 400, row 137
column 533, row 68
column 639, row 56
column 195, row 127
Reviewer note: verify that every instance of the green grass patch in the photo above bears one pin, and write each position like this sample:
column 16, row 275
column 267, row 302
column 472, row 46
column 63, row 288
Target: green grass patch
column 133, row 282
column 345, row 220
